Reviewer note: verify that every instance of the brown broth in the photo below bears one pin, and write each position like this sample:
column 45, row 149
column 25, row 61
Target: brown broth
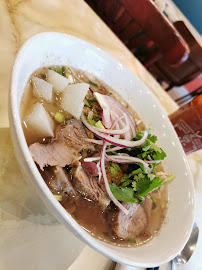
column 86, row 212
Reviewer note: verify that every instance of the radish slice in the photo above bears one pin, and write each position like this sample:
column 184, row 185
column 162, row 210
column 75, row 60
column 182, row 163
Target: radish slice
column 58, row 81
column 72, row 98
column 42, row 89
column 40, row 121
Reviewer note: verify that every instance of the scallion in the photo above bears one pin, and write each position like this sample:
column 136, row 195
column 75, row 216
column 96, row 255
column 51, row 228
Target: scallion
column 59, row 117
column 63, row 71
column 95, row 84
column 43, row 76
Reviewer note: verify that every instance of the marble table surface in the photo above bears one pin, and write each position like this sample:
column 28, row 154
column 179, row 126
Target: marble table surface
column 30, row 238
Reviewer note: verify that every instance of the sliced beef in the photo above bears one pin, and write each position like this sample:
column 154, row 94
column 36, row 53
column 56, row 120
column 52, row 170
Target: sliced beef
column 131, row 225
column 53, row 154
column 89, row 187
column 58, row 181
column 73, row 134
column 62, row 181
column 64, row 149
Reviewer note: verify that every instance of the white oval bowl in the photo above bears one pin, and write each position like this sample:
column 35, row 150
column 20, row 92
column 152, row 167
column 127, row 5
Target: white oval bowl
column 60, row 49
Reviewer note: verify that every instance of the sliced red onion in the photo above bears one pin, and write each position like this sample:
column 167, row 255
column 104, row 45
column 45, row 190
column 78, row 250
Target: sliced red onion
column 106, row 117
column 114, row 131
column 116, row 121
column 91, row 90
column 123, row 158
column 118, row 109
column 123, row 108
column 114, row 149
column 91, row 159
column 99, row 171
column 111, row 196
column 100, row 142
column 153, row 161
column 112, row 140
column 128, row 159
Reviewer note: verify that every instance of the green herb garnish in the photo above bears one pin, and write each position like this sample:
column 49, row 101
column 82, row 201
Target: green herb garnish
column 137, row 177
column 43, row 76
column 124, row 194
column 132, row 240
column 63, row 71
column 58, row 70
column 92, row 99
column 93, row 83
column 114, row 169
column 88, row 106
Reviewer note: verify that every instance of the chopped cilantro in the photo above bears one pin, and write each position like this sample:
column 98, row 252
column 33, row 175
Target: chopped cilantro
column 123, row 194
column 134, row 185
column 152, row 138
column 126, row 183
column 114, row 169
column 148, row 150
column 137, row 181
column 135, row 172
column 142, row 183
column 156, row 183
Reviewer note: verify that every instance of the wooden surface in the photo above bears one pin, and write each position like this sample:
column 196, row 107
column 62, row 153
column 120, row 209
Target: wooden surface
column 19, row 20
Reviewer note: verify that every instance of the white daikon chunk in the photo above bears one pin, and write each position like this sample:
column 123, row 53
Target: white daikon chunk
column 58, row 81
column 69, row 76
column 40, row 121
column 72, row 98
column 42, row 89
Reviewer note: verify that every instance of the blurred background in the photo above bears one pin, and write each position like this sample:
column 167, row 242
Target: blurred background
column 165, row 36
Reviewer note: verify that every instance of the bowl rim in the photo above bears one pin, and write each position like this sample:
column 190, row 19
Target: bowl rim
column 31, row 171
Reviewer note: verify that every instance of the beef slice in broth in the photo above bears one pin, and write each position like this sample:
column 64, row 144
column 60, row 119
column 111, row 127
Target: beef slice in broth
column 131, row 225
column 88, row 186
column 64, row 149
